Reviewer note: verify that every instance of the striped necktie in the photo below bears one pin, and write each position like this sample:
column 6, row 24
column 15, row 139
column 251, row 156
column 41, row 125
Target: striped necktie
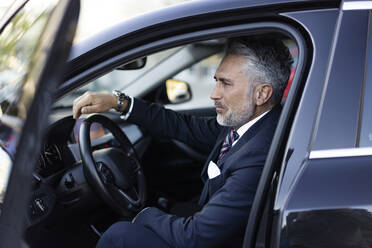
column 227, row 144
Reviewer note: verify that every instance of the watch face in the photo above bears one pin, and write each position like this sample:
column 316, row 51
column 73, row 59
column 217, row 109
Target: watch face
column 120, row 95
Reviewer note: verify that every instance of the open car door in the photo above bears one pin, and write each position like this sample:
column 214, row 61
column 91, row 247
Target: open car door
column 34, row 45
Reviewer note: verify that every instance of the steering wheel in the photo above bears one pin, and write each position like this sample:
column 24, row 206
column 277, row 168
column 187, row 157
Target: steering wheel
column 114, row 173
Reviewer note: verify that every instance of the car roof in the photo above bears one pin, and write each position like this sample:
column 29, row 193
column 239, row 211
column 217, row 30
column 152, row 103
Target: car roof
column 179, row 11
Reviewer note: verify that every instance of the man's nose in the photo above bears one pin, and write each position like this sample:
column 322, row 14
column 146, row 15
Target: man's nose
column 216, row 94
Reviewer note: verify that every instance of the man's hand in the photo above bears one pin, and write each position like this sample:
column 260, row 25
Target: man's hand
column 91, row 102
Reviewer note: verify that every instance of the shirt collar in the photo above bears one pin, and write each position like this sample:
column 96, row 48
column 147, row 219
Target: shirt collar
column 247, row 125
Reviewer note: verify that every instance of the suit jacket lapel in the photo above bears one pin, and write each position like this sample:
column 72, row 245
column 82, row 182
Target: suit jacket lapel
column 214, row 154
column 252, row 131
column 271, row 117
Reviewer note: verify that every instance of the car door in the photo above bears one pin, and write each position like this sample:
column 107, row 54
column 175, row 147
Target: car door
column 34, row 44
column 332, row 194
column 322, row 198
column 87, row 67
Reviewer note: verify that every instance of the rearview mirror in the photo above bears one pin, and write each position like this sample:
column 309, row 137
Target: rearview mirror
column 134, row 65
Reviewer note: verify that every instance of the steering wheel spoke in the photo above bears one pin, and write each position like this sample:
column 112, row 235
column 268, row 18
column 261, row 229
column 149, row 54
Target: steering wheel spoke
column 130, row 199
column 105, row 174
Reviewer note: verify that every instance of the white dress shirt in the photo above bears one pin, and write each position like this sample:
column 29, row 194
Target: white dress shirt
column 213, row 170
column 247, row 125
column 126, row 116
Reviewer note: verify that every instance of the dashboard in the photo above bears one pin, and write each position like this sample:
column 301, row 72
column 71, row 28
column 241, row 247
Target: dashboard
column 59, row 182
column 50, row 159
column 61, row 146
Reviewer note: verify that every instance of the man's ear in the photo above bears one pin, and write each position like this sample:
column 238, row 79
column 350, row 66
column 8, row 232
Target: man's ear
column 263, row 93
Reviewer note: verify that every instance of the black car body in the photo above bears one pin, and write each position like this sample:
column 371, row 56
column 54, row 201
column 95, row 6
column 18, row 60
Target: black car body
column 314, row 189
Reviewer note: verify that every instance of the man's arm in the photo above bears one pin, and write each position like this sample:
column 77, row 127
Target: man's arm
column 196, row 131
column 224, row 217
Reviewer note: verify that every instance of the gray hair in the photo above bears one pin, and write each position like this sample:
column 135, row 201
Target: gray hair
column 269, row 59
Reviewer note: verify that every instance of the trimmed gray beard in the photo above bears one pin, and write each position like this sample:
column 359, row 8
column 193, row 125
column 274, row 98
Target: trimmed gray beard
column 240, row 115
column 236, row 118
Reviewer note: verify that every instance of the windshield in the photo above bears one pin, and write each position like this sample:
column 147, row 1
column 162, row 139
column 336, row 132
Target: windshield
column 18, row 43
column 115, row 80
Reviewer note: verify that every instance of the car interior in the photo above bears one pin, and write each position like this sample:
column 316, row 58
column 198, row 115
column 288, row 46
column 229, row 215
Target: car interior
column 65, row 209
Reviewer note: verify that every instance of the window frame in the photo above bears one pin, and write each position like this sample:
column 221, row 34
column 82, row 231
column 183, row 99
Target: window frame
column 367, row 84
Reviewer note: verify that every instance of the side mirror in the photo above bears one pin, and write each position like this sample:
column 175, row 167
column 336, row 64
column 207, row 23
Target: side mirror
column 177, row 91
column 134, row 65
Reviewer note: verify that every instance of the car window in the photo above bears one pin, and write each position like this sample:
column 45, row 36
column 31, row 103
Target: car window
column 117, row 79
column 366, row 123
column 344, row 82
column 18, row 43
column 199, row 77
column 193, row 65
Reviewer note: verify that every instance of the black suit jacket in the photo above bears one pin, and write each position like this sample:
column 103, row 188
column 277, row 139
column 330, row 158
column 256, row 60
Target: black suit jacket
column 226, row 199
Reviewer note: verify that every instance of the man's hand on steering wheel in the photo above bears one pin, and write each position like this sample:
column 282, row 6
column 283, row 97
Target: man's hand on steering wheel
column 91, row 102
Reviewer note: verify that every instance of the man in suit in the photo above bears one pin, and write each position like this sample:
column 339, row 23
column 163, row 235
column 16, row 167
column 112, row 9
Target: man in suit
column 250, row 82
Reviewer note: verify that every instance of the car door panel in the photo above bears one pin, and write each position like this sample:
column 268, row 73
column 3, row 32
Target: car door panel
column 40, row 84
column 328, row 207
column 322, row 205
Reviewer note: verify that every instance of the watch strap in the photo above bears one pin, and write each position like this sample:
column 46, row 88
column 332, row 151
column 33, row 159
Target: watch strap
column 127, row 107
column 120, row 99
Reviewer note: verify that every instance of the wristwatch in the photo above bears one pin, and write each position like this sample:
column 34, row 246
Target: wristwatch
column 121, row 97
